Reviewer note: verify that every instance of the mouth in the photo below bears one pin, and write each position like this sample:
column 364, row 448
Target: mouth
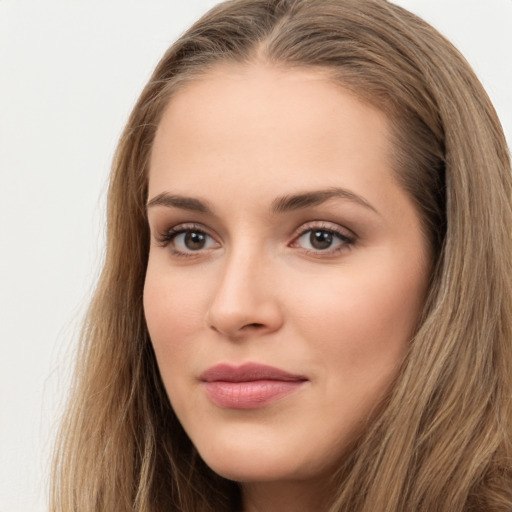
column 249, row 386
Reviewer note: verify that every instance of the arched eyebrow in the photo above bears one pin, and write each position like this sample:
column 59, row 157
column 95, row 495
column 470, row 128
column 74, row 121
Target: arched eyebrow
column 316, row 197
column 182, row 202
column 279, row 205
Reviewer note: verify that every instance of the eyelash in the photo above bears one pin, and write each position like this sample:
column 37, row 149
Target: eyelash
column 168, row 237
column 346, row 240
column 165, row 239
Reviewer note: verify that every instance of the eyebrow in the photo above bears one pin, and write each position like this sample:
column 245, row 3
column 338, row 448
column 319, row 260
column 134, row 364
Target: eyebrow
column 182, row 202
column 282, row 204
column 314, row 198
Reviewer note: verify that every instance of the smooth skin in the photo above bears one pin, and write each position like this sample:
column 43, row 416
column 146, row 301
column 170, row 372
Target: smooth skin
column 328, row 286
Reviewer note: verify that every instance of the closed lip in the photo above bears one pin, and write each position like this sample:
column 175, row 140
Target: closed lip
column 249, row 386
column 248, row 372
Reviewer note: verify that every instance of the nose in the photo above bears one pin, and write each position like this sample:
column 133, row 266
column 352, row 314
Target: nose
column 245, row 300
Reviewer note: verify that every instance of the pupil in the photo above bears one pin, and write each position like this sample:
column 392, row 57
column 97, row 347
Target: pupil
column 320, row 239
column 195, row 241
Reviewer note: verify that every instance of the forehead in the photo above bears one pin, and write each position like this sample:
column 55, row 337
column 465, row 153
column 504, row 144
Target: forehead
column 264, row 120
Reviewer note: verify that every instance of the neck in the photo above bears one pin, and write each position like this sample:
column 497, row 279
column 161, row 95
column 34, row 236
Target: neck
column 297, row 496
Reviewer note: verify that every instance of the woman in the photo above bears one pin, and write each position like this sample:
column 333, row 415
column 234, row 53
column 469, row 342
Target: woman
column 306, row 301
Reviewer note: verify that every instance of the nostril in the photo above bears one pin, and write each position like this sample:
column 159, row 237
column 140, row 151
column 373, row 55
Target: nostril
column 254, row 326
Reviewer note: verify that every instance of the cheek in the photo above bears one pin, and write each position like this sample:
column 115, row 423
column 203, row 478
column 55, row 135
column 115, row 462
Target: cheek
column 363, row 317
column 173, row 307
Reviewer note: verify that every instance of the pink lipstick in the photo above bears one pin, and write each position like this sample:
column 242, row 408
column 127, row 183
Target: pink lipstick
column 249, row 386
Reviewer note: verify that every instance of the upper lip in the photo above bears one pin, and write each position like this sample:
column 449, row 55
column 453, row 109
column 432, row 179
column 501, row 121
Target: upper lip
column 246, row 373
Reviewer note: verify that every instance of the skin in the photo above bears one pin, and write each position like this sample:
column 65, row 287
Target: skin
column 239, row 139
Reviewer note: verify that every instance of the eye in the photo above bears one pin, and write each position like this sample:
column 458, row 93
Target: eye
column 192, row 240
column 318, row 239
column 323, row 239
column 184, row 240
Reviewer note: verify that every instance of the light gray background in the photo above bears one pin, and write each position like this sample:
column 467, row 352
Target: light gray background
column 70, row 71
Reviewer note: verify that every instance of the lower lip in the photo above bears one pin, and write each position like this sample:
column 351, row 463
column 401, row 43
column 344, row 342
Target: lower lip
column 251, row 394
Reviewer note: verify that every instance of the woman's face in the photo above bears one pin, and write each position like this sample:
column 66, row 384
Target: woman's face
column 286, row 272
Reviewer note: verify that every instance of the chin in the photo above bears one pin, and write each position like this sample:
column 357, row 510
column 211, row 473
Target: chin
column 247, row 471
column 252, row 461
column 247, row 463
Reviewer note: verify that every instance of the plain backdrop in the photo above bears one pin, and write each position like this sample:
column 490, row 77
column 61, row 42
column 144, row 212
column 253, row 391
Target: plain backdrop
column 70, row 71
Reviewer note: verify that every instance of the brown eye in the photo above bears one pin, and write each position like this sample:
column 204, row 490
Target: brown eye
column 194, row 240
column 320, row 239
column 191, row 240
column 323, row 241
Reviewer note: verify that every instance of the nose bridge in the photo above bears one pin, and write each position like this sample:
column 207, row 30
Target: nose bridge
column 245, row 297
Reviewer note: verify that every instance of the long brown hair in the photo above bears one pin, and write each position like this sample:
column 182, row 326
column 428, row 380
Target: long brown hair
column 443, row 441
